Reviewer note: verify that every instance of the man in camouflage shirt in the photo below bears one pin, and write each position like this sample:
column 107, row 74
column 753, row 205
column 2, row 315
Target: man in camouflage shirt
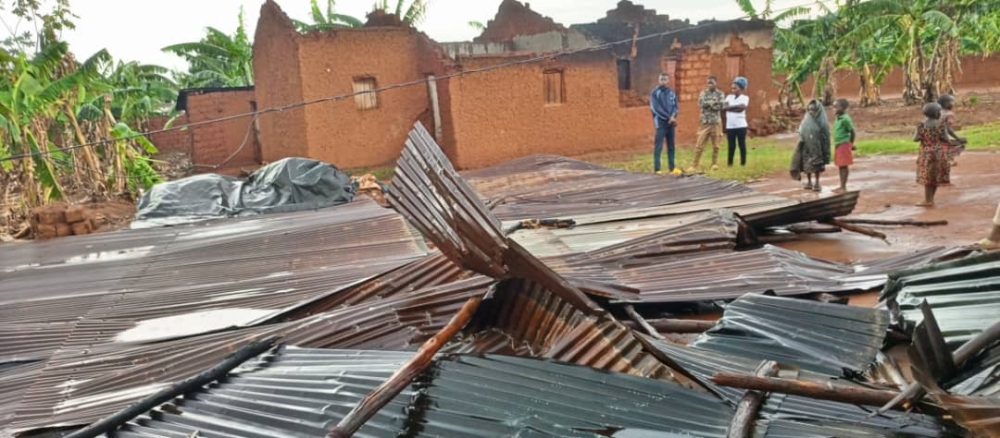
column 710, row 101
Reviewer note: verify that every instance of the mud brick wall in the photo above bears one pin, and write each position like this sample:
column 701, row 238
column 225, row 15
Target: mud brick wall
column 215, row 142
column 278, row 82
column 502, row 114
column 170, row 141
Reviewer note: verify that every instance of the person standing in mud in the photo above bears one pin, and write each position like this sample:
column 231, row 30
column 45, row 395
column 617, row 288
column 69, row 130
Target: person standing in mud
column 663, row 103
column 710, row 101
column 843, row 142
column 736, row 119
column 956, row 144
column 933, row 167
column 812, row 154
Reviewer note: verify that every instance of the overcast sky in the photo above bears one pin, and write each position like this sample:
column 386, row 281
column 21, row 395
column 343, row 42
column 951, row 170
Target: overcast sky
column 138, row 29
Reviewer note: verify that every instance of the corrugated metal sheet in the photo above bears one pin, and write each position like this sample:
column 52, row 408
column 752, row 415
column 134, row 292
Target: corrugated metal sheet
column 301, row 393
column 770, row 269
column 544, row 186
column 826, row 207
column 832, row 339
column 225, row 273
column 79, row 387
column 428, row 191
column 964, row 295
column 980, row 415
column 525, row 319
column 795, row 416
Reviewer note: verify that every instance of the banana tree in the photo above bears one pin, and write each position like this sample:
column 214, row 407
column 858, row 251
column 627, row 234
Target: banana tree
column 916, row 25
column 218, row 59
column 328, row 20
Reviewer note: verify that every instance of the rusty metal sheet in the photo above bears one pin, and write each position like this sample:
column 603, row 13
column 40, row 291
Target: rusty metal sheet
column 428, row 191
column 77, row 387
column 523, row 318
column 726, row 276
column 124, row 286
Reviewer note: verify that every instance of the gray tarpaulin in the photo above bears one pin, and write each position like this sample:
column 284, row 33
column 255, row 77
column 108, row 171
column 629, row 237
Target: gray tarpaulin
column 291, row 184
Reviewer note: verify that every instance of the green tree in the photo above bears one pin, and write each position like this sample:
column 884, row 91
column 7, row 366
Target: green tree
column 412, row 14
column 218, row 59
column 328, row 20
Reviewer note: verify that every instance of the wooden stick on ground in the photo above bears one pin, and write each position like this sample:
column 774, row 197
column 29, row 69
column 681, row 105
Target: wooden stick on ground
column 667, row 325
column 388, row 390
column 856, row 229
column 642, row 322
column 912, row 223
column 805, row 388
column 746, row 412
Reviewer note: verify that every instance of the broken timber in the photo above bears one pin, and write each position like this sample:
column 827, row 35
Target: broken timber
column 746, row 411
column 817, row 390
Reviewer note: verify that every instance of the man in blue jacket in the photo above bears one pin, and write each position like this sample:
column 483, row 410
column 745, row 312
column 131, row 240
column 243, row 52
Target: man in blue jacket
column 663, row 102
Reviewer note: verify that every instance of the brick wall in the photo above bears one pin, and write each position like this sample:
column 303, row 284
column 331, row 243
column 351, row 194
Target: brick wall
column 278, row 81
column 171, row 141
column 215, row 142
column 724, row 54
column 502, row 114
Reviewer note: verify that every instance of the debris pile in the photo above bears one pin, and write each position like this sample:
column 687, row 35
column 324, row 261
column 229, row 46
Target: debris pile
column 559, row 299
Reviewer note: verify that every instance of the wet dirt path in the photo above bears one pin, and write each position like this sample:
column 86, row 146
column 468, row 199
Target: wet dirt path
column 889, row 192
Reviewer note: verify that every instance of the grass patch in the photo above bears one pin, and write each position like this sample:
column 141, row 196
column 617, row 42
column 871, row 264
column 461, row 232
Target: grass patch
column 383, row 173
column 767, row 157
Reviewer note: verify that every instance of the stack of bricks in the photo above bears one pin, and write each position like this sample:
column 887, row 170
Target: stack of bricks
column 52, row 221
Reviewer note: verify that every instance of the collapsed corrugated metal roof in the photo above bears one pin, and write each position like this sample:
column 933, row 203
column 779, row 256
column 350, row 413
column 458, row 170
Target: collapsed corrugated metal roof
column 964, row 295
column 303, row 392
column 431, row 194
column 143, row 285
column 827, row 338
column 77, row 387
column 772, row 269
column 795, row 416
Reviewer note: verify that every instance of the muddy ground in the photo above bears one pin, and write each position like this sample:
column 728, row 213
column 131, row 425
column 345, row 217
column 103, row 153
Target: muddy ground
column 889, row 192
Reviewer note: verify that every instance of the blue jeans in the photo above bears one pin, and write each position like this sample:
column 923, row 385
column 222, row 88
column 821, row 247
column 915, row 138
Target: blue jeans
column 665, row 131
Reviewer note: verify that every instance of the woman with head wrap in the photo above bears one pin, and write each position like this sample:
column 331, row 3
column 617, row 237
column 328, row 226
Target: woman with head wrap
column 736, row 119
column 813, row 151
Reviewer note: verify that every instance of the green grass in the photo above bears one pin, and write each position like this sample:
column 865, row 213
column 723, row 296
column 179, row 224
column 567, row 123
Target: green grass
column 767, row 157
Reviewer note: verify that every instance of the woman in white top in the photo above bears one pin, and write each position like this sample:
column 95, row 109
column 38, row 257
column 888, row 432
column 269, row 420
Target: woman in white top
column 736, row 119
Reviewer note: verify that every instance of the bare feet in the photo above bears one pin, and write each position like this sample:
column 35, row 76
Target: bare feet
column 839, row 190
column 926, row 204
column 988, row 244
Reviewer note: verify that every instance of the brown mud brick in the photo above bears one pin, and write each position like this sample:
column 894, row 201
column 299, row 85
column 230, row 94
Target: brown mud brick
column 76, row 213
column 81, row 228
column 45, row 231
column 63, row 229
column 50, row 216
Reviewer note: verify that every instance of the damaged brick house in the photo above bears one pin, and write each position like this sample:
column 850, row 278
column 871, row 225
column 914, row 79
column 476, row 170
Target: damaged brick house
column 589, row 101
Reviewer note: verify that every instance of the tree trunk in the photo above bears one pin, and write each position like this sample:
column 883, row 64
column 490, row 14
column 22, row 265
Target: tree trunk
column 869, row 91
column 912, row 94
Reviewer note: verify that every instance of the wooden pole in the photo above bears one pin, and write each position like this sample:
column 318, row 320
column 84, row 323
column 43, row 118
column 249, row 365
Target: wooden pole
column 403, row 376
column 816, row 390
column 856, row 228
column 746, row 411
column 642, row 323
column 912, row 223
column 675, row 325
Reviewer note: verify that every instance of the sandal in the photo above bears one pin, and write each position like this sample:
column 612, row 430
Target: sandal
column 817, row 188
column 807, row 186
column 988, row 244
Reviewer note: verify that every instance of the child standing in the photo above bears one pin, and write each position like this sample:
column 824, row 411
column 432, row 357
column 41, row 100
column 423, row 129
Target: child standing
column 956, row 144
column 843, row 140
column 933, row 167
